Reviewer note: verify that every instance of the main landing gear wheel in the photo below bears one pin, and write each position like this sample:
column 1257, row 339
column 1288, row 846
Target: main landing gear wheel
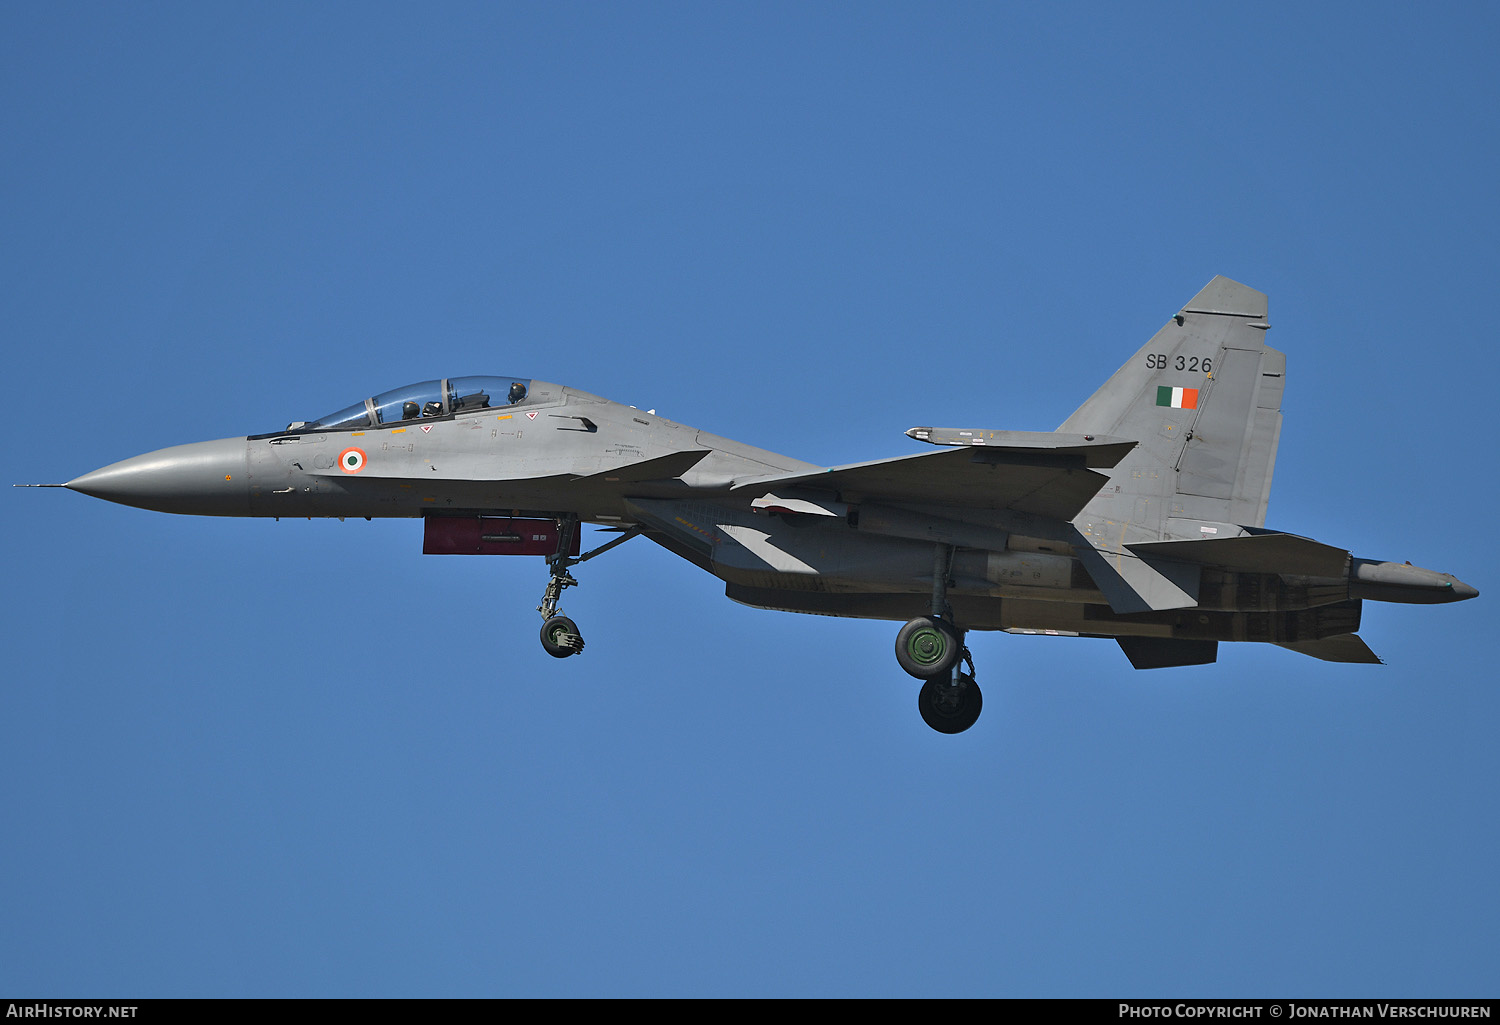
column 928, row 648
column 950, row 707
column 561, row 638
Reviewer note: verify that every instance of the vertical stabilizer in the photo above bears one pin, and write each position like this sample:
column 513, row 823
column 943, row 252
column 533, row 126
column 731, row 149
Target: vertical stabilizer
column 1203, row 399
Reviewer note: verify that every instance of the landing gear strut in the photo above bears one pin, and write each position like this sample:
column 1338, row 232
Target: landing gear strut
column 931, row 648
column 560, row 636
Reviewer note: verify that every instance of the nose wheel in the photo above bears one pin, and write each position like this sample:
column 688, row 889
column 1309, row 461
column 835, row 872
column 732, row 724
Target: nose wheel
column 560, row 637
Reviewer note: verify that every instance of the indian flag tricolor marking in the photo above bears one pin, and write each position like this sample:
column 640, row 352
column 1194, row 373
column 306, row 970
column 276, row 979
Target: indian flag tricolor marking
column 1177, row 398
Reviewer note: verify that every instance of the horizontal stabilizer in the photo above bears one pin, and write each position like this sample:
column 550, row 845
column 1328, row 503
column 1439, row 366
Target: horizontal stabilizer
column 1253, row 553
column 1167, row 652
column 1132, row 584
column 1050, row 478
column 666, row 467
column 1338, row 648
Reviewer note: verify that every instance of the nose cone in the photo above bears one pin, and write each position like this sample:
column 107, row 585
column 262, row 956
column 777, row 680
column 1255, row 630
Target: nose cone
column 1462, row 591
column 207, row 478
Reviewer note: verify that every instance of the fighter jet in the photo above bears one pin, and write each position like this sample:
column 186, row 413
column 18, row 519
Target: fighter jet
column 1142, row 518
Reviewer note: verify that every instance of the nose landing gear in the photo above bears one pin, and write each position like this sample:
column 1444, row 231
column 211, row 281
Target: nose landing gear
column 560, row 636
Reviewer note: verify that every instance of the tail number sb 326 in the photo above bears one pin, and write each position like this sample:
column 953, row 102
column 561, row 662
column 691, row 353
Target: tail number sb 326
column 1192, row 364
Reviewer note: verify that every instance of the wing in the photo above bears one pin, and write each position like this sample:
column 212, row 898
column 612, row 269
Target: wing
column 1050, row 476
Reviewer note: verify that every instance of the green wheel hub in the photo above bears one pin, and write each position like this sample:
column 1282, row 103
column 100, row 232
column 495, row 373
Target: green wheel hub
column 927, row 646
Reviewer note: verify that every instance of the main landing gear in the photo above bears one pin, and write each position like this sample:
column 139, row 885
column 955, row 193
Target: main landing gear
column 931, row 648
column 560, row 636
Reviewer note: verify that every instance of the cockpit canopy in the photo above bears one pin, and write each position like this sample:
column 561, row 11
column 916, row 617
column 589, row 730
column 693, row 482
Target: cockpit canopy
column 422, row 401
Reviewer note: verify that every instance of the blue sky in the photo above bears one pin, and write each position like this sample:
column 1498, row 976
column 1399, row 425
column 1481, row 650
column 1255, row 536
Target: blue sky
column 260, row 758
